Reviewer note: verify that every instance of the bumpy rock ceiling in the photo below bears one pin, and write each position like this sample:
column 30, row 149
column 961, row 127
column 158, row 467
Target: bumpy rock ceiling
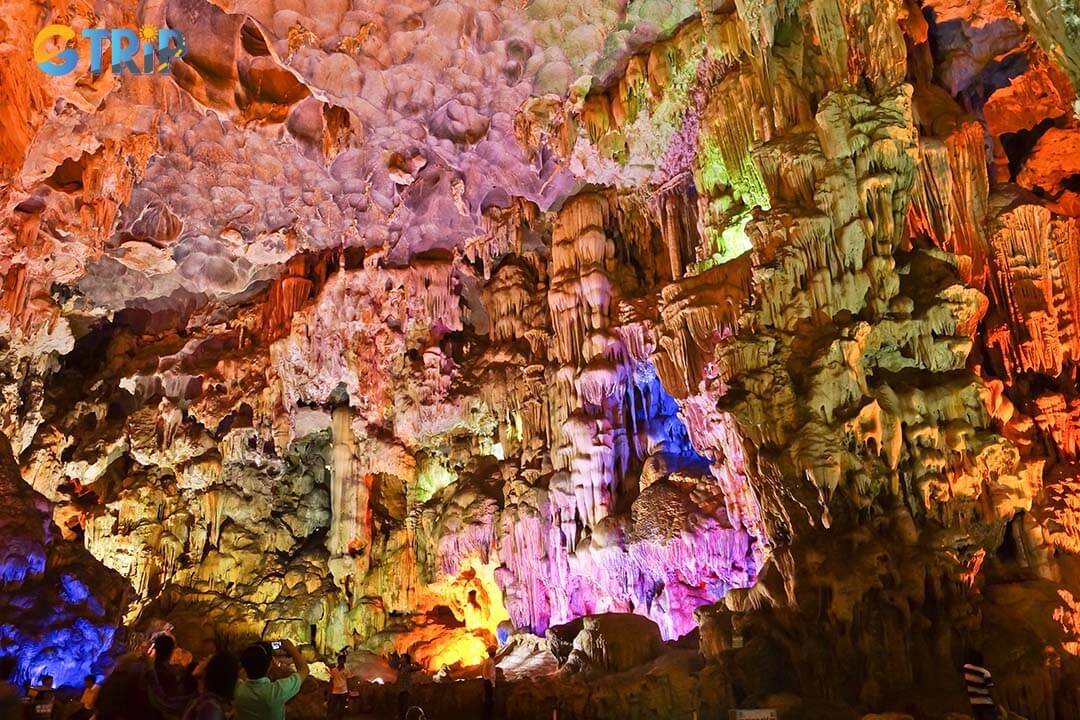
column 410, row 324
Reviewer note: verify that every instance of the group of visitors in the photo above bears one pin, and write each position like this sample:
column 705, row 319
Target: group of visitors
column 40, row 700
column 212, row 689
column 152, row 688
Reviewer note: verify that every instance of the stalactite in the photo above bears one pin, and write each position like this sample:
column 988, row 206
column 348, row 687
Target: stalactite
column 1040, row 307
column 582, row 312
column 430, row 328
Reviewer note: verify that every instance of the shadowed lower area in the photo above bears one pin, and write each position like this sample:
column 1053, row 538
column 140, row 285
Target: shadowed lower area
column 644, row 358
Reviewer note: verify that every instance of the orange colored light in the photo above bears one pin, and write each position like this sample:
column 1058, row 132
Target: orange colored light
column 1068, row 616
column 476, row 601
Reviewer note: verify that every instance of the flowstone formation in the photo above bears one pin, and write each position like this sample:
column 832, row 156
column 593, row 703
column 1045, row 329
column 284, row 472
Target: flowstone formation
column 699, row 355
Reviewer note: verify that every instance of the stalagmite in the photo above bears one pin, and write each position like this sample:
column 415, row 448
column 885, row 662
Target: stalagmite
column 349, row 539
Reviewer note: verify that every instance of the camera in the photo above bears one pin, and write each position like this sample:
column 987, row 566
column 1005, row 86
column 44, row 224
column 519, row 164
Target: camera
column 275, row 644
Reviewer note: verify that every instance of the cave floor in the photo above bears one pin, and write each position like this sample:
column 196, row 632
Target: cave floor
column 392, row 716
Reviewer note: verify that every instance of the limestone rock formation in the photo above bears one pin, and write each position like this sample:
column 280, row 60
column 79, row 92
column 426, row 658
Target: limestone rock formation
column 695, row 354
column 59, row 608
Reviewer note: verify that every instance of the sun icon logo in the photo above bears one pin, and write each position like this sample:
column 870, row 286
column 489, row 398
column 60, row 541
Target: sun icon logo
column 148, row 34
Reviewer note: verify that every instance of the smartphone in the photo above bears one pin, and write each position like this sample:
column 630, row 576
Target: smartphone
column 275, row 644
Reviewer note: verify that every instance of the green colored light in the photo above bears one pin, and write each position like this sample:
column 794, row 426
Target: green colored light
column 725, row 243
column 431, row 477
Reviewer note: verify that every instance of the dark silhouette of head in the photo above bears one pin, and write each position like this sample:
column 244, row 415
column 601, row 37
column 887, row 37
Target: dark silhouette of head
column 341, row 662
column 222, row 672
column 46, row 681
column 256, row 660
column 122, row 687
column 491, row 652
column 89, row 681
column 974, row 657
column 163, row 648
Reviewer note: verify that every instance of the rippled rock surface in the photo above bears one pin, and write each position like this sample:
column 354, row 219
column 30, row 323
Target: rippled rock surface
column 439, row 326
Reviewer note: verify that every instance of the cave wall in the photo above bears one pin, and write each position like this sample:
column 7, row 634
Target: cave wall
column 59, row 608
column 409, row 326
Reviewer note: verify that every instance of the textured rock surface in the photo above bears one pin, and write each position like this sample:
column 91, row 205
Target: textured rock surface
column 59, row 609
column 414, row 326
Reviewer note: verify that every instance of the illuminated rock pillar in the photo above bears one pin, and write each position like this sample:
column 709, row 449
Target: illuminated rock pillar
column 591, row 445
column 349, row 540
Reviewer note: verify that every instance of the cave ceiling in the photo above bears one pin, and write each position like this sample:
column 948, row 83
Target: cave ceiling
column 414, row 324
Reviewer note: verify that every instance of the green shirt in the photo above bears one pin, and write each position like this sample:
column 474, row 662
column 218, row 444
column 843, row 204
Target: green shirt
column 265, row 699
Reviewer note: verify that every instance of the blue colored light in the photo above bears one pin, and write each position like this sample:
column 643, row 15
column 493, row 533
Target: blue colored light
column 656, row 414
column 72, row 590
column 68, row 653
column 67, row 638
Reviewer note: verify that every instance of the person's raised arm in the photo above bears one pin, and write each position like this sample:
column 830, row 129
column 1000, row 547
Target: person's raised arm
column 297, row 658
